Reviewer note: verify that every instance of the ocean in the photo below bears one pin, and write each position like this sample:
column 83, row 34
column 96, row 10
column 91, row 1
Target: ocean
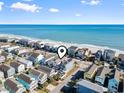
column 102, row 35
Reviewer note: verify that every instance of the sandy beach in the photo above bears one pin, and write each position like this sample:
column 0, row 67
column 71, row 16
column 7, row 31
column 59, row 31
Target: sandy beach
column 93, row 48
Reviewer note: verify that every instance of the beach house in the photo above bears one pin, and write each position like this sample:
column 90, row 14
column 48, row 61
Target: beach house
column 11, row 48
column 18, row 66
column 7, row 55
column 28, row 82
column 4, row 45
column 72, row 51
column 121, row 61
column 80, row 53
column 114, row 81
column 98, row 55
column 85, row 86
column 37, row 58
column 13, row 86
column 108, row 55
column 101, row 75
column 38, row 75
column 7, row 70
column 28, row 64
column 91, row 71
column 49, row 71
column 1, row 75
column 23, row 42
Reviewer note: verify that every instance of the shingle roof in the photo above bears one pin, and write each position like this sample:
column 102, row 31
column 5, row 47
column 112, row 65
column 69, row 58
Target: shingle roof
column 25, row 77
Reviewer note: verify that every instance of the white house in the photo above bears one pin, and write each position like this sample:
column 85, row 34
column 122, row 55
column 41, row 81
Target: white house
column 18, row 66
column 9, row 49
column 36, row 58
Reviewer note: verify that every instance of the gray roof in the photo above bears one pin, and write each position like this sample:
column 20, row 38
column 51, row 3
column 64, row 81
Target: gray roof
column 73, row 47
column 26, row 78
column 91, row 86
column 12, row 84
column 15, row 64
column 4, row 67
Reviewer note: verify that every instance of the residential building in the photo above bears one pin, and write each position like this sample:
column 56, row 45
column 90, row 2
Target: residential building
column 108, row 55
column 11, row 48
column 49, row 71
column 28, row 82
column 7, row 55
column 72, row 51
column 4, row 45
column 38, row 75
column 13, row 86
column 85, row 86
column 121, row 61
column 28, row 64
column 98, row 55
column 114, row 81
column 37, row 58
column 101, row 75
column 90, row 73
column 18, row 66
column 81, row 53
column 7, row 70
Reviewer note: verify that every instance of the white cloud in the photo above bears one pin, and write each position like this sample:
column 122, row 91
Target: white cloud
column 1, row 5
column 53, row 10
column 78, row 15
column 26, row 7
column 91, row 2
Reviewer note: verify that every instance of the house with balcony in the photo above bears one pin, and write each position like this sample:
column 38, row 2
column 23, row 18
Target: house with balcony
column 13, row 86
column 18, row 66
column 91, row 72
column 7, row 70
column 28, row 82
column 38, row 75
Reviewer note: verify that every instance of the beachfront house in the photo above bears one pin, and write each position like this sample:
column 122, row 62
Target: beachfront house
column 28, row 64
column 108, row 55
column 49, row 71
column 28, row 82
column 85, row 86
column 37, row 58
column 23, row 42
column 2, row 59
column 72, row 51
column 7, row 70
column 101, row 75
column 114, row 81
column 90, row 73
column 18, row 66
column 98, row 55
column 4, row 45
column 13, row 86
column 3, row 39
column 38, row 75
column 80, row 53
column 121, row 61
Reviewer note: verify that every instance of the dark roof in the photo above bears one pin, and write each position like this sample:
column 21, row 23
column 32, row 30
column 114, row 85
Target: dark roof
column 12, row 85
column 35, row 55
column 45, row 69
column 73, row 47
column 4, row 67
column 15, row 64
column 121, row 56
column 25, row 77
column 35, row 72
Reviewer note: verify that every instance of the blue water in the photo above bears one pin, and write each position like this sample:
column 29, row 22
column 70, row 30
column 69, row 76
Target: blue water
column 102, row 35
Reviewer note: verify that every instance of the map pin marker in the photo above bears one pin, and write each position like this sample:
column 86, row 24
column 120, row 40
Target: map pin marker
column 62, row 50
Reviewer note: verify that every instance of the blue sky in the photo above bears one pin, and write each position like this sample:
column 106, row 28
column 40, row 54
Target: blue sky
column 61, row 11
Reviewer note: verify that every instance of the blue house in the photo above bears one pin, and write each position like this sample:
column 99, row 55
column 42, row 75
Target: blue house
column 101, row 75
column 98, row 55
column 114, row 82
column 28, row 82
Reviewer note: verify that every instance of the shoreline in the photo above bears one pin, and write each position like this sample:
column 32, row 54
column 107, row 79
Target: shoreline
column 93, row 48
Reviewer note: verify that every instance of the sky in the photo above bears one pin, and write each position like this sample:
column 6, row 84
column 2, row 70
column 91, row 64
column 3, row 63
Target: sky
column 61, row 11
